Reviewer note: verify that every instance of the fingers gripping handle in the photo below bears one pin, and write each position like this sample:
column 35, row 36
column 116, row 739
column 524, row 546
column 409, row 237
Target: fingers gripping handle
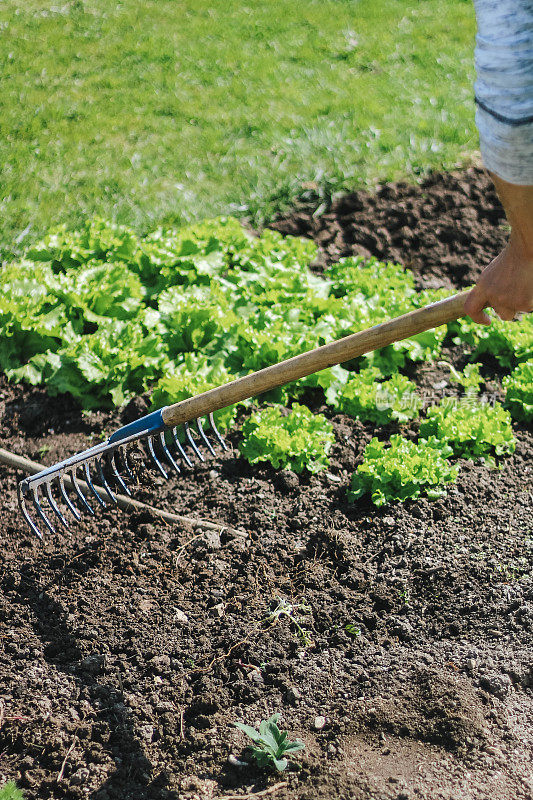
column 336, row 352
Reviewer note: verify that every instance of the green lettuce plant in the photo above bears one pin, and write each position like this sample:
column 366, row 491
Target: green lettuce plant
column 402, row 470
column 367, row 396
column 296, row 440
column 472, row 429
column 191, row 375
column 509, row 342
column 519, row 392
column 469, row 379
column 102, row 313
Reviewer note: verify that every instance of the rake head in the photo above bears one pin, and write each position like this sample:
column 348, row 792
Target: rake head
column 92, row 477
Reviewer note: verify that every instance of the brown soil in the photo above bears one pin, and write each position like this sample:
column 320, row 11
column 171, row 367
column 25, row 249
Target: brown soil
column 130, row 646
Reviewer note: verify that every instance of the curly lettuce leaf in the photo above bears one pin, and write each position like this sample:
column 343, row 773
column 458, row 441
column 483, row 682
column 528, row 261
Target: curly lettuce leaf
column 402, row 470
column 296, row 440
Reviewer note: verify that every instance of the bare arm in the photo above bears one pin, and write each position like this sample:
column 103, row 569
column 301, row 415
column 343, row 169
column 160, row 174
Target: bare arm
column 506, row 285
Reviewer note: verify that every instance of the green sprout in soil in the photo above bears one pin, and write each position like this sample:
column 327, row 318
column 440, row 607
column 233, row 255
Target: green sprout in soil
column 9, row 791
column 352, row 630
column 271, row 743
column 286, row 609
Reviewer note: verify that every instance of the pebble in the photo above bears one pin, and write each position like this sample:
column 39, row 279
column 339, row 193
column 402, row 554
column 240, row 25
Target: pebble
column 390, row 522
column 470, row 664
column 147, row 732
column 293, row 694
column 333, row 478
column 181, row 617
column 160, row 663
column 319, row 723
column 218, row 610
column 213, row 474
column 212, row 540
column 256, row 677
column 233, row 761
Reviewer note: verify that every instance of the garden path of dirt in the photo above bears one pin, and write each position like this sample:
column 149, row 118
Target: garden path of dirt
column 129, row 647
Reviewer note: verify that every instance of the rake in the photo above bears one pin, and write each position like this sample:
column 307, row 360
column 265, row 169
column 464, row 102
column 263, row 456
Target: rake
column 174, row 437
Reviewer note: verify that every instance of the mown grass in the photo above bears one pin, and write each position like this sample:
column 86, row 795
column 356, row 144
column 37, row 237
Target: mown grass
column 171, row 111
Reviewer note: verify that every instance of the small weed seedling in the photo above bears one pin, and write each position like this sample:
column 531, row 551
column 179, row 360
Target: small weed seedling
column 271, row 744
column 352, row 630
column 9, row 791
column 286, row 609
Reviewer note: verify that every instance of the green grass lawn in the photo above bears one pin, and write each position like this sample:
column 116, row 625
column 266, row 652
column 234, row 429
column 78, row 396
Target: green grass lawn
column 172, row 110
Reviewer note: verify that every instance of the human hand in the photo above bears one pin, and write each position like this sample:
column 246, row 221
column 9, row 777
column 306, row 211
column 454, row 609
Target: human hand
column 506, row 285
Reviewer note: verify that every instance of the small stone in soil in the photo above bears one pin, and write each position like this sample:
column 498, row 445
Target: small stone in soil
column 234, row 762
column 293, row 694
column 160, row 663
column 181, row 617
column 212, row 540
column 319, row 723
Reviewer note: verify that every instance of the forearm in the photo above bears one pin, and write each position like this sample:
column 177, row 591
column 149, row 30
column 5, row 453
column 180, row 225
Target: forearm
column 504, row 95
column 506, row 285
column 518, row 204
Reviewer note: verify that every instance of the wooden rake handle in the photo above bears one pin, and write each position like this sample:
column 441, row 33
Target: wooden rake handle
column 423, row 319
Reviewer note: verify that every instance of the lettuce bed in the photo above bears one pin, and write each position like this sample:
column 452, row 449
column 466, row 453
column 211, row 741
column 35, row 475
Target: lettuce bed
column 103, row 314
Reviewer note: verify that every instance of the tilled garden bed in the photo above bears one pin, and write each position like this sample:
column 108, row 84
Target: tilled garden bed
column 130, row 646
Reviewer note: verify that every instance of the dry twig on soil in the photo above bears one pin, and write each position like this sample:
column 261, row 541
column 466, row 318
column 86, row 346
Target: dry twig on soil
column 263, row 793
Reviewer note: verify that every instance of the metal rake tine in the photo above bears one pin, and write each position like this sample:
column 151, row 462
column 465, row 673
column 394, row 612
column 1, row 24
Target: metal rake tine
column 116, row 475
column 67, row 499
column 192, row 442
column 89, row 483
column 22, row 506
column 204, row 438
column 123, row 452
column 158, row 464
column 167, row 453
column 53, row 504
column 179, row 447
column 39, row 509
column 132, row 467
column 214, row 428
column 81, row 496
column 140, row 451
column 103, row 481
